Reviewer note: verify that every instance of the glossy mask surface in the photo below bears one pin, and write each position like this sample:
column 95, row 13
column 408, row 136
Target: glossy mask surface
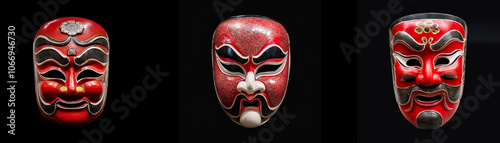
column 71, row 58
column 250, row 59
column 428, row 66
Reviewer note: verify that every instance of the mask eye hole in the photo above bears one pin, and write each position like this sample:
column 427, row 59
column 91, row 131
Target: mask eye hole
column 88, row 73
column 233, row 68
column 407, row 61
column 442, row 61
column 54, row 74
column 413, row 62
column 448, row 58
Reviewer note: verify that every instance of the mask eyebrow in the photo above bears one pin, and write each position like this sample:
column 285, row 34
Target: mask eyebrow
column 98, row 39
column 447, row 38
column 227, row 51
column 50, row 54
column 92, row 53
column 46, row 40
column 270, row 52
column 403, row 37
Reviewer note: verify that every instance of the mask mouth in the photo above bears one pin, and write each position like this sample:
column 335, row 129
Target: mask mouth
column 429, row 99
column 246, row 103
column 72, row 105
column 241, row 103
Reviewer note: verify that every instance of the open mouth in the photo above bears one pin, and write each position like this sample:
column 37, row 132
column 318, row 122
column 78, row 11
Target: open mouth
column 254, row 103
column 429, row 99
column 72, row 105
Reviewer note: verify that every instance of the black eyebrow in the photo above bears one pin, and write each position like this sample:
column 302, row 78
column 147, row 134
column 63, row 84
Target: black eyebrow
column 407, row 40
column 93, row 53
column 46, row 54
column 98, row 39
column 273, row 52
column 227, row 52
column 447, row 38
column 46, row 40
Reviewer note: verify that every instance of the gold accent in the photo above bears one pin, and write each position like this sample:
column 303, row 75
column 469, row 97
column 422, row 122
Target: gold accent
column 63, row 89
column 424, row 39
column 426, row 27
column 79, row 89
column 71, row 52
column 419, row 30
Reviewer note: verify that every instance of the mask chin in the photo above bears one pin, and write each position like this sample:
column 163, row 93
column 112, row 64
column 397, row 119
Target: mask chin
column 250, row 119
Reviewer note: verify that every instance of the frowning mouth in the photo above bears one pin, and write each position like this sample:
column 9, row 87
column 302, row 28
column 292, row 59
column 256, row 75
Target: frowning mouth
column 246, row 103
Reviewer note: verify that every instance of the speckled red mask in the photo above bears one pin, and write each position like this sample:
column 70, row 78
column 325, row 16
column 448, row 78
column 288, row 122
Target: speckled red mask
column 70, row 57
column 428, row 64
column 250, row 58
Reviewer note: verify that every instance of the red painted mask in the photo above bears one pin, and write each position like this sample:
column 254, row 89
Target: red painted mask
column 428, row 67
column 71, row 58
column 251, row 59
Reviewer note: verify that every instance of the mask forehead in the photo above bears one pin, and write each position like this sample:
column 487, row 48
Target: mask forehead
column 250, row 34
column 60, row 29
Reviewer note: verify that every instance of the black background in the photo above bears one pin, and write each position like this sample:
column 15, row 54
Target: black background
column 176, row 36
column 378, row 116
column 140, row 35
column 323, row 87
column 201, row 118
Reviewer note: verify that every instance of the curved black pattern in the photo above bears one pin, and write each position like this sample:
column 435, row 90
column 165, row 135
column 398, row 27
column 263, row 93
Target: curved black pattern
column 227, row 52
column 92, row 54
column 450, row 36
column 98, row 39
column 45, row 54
column 405, row 38
column 46, row 40
column 273, row 52
column 235, row 110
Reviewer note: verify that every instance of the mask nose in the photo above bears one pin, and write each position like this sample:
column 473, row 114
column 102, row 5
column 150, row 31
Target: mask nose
column 250, row 85
column 428, row 77
column 71, row 91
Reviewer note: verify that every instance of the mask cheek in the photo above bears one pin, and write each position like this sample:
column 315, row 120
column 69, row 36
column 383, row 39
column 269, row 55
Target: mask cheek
column 225, row 87
column 93, row 90
column 48, row 90
column 405, row 77
column 275, row 88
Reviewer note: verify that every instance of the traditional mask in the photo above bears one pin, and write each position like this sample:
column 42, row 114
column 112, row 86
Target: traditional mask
column 251, row 63
column 71, row 56
column 428, row 66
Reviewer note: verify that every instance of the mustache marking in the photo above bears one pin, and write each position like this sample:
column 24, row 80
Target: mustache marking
column 407, row 95
column 50, row 109
column 234, row 110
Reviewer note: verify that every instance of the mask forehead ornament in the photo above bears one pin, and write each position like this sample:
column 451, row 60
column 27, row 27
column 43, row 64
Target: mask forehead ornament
column 250, row 61
column 70, row 57
column 428, row 66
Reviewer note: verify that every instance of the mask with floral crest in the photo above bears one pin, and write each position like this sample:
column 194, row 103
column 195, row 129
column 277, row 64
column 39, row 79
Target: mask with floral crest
column 428, row 66
column 71, row 59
